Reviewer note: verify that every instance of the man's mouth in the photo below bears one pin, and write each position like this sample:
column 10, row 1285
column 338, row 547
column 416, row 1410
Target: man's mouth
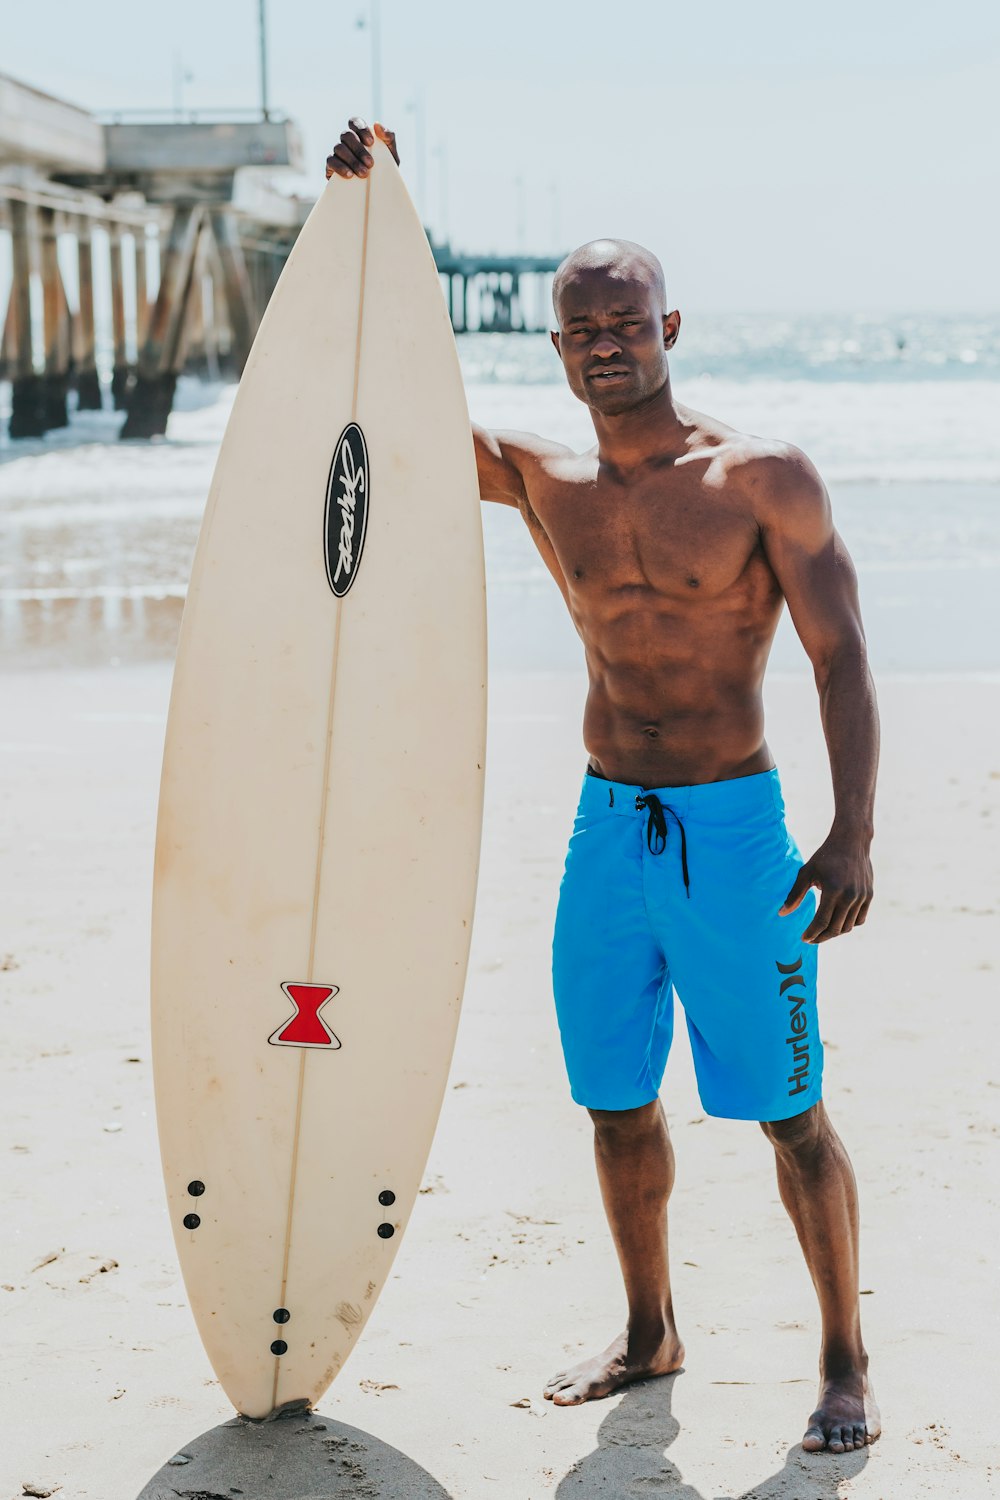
column 610, row 376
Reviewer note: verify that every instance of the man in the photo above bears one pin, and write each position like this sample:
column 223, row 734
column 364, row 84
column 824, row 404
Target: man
column 674, row 542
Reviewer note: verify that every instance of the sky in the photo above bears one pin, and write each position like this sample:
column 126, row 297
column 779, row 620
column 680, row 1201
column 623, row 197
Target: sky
column 777, row 156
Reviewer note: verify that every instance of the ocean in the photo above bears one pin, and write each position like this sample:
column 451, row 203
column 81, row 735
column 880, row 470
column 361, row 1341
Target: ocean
column 901, row 415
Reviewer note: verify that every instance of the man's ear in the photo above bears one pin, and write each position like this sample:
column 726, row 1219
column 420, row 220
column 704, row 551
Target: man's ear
column 671, row 328
column 555, row 342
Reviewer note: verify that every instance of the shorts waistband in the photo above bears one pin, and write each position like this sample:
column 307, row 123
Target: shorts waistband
column 736, row 797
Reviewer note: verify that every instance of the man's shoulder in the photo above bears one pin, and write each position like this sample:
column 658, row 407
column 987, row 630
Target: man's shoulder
column 533, row 449
column 769, row 462
column 745, row 458
column 780, row 490
column 775, row 476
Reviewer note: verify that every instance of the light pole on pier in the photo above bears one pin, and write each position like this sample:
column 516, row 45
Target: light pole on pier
column 262, row 28
column 441, row 153
column 373, row 26
column 416, row 109
column 182, row 76
column 375, row 23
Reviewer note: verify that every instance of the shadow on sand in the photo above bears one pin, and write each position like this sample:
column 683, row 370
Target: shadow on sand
column 304, row 1457
column 630, row 1459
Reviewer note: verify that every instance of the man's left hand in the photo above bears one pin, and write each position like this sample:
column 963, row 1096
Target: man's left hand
column 842, row 872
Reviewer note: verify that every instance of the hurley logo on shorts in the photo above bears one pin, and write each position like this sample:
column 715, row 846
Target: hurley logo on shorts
column 798, row 1040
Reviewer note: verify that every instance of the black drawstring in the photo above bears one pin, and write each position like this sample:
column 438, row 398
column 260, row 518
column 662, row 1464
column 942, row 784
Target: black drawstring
column 657, row 822
column 657, row 825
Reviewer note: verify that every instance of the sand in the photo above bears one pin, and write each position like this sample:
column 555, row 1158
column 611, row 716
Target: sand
column 507, row 1272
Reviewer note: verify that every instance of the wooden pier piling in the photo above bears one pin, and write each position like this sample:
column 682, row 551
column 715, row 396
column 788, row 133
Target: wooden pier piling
column 141, row 285
column 119, row 369
column 88, row 385
column 27, row 412
column 55, row 322
column 236, row 290
column 162, row 354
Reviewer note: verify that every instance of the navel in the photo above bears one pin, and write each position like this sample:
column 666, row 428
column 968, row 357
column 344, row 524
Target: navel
column 651, row 731
column 692, row 582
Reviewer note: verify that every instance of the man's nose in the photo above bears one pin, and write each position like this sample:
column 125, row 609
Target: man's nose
column 606, row 347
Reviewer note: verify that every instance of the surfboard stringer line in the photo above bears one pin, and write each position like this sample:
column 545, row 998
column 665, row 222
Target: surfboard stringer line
column 328, row 755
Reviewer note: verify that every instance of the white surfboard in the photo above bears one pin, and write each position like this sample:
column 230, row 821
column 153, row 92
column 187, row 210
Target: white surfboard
column 321, row 803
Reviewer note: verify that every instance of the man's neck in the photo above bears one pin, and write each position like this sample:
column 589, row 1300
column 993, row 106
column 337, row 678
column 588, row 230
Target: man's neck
column 654, row 430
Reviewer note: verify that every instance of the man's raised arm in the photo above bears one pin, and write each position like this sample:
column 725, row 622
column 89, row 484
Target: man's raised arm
column 819, row 583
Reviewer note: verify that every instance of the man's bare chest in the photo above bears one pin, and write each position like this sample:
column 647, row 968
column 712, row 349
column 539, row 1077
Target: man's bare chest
column 677, row 537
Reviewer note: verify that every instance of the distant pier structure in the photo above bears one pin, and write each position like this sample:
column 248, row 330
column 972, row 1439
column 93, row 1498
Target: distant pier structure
column 151, row 244
column 486, row 292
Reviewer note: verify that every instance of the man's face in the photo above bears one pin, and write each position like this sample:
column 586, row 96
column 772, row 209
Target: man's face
column 612, row 339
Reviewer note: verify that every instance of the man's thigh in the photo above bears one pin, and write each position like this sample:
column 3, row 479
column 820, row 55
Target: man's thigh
column 746, row 980
column 611, row 985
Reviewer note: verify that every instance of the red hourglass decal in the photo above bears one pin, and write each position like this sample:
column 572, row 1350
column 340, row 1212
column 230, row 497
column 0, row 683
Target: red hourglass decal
column 307, row 1027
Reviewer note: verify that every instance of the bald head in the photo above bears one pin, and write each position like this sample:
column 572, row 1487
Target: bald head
column 614, row 328
column 619, row 262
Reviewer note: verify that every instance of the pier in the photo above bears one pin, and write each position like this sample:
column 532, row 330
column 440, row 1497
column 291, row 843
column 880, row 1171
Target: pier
column 91, row 204
column 485, row 292
column 143, row 246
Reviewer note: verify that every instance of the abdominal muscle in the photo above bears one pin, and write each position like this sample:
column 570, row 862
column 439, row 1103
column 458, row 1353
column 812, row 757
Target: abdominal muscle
column 681, row 708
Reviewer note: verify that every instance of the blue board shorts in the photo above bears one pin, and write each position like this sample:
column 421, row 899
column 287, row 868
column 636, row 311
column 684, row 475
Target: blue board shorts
column 677, row 890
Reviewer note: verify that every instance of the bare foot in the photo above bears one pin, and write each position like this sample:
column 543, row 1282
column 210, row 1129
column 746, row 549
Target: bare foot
column 846, row 1418
column 619, row 1365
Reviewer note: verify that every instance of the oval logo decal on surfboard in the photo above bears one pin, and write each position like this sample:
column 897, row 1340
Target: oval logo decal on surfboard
column 346, row 514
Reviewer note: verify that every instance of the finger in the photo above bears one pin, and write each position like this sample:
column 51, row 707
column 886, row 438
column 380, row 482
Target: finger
column 388, row 137
column 860, row 919
column 361, row 129
column 835, row 927
column 357, row 148
column 351, row 160
column 341, row 163
column 821, row 921
column 800, row 886
column 844, row 902
column 851, row 919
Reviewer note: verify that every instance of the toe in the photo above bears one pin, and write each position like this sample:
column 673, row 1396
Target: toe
column 835, row 1442
column 860, row 1435
column 814, row 1441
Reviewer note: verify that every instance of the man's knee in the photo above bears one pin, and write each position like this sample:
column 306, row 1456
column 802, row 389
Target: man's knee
column 625, row 1124
column 800, row 1137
